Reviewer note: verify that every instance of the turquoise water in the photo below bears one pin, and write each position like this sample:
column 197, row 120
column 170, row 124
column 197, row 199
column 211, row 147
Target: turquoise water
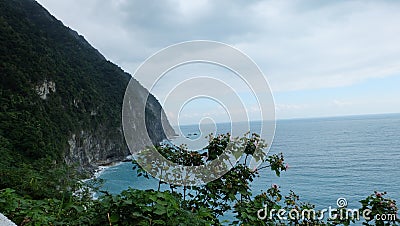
column 329, row 158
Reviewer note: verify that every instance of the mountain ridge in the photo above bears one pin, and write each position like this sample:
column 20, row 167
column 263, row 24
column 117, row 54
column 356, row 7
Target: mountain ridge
column 61, row 99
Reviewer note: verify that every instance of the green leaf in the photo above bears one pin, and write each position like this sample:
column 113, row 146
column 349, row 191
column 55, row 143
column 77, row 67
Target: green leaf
column 160, row 211
column 114, row 218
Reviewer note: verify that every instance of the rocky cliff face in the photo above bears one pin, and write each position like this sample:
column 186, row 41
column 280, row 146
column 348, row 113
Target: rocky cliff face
column 60, row 98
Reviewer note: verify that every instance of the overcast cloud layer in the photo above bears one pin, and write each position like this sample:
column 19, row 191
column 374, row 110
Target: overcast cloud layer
column 321, row 57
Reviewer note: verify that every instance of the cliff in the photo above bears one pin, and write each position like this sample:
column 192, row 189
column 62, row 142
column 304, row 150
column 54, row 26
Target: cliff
column 60, row 98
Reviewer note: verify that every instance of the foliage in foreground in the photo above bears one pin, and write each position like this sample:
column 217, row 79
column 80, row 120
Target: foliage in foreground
column 187, row 205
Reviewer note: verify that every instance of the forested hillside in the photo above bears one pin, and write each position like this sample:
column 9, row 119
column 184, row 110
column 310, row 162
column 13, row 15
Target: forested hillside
column 60, row 102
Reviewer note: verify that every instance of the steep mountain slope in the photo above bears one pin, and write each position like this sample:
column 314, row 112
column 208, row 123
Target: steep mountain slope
column 60, row 98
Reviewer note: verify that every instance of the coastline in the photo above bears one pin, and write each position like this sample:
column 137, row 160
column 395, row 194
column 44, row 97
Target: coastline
column 103, row 166
column 99, row 169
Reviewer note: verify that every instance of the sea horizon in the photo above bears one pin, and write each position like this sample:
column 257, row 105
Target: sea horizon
column 300, row 118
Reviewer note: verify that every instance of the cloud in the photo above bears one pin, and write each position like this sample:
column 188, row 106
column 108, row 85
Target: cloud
column 300, row 46
column 340, row 103
column 289, row 107
column 329, row 46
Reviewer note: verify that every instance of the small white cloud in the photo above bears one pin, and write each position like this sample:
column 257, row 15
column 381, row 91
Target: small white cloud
column 342, row 103
column 289, row 107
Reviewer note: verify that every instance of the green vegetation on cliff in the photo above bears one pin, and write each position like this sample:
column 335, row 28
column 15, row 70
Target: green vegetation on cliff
column 60, row 101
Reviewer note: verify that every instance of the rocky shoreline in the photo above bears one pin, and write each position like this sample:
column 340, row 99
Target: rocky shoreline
column 105, row 165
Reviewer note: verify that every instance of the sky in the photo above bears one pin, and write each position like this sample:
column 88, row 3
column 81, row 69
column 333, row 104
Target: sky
column 321, row 58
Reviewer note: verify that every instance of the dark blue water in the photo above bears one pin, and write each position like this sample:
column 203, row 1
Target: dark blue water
column 348, row 157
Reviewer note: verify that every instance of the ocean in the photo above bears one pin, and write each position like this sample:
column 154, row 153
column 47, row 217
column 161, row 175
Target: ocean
column 329, row 158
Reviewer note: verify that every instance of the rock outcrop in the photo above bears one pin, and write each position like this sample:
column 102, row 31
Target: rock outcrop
column 60, row 98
